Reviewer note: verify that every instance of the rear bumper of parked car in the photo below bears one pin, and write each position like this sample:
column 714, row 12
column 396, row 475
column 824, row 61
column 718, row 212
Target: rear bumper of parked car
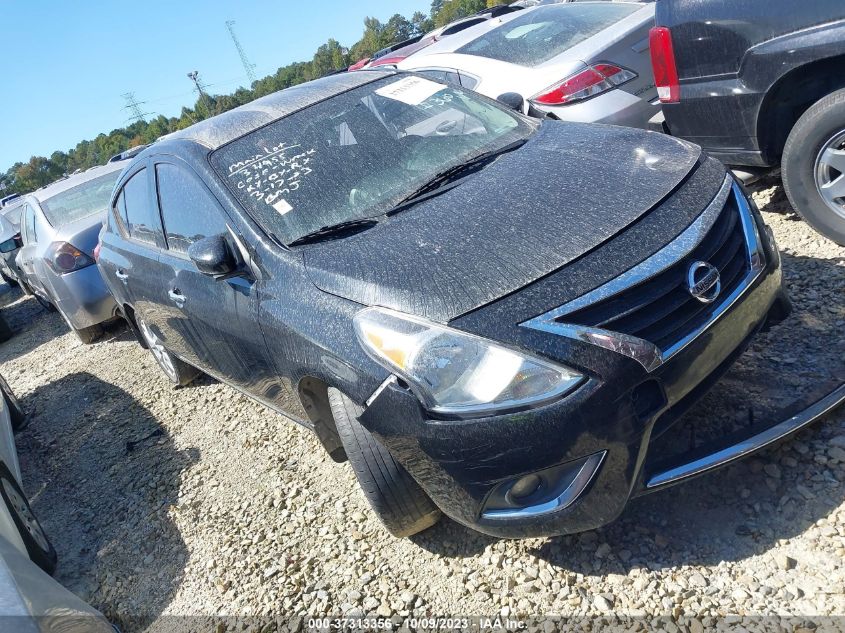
column 82, row 297
column 595, row 445
column 615, row 107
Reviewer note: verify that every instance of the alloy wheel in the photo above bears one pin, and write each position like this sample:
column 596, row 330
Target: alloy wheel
column 20, row 507
column 830, row 173
column 161, row 355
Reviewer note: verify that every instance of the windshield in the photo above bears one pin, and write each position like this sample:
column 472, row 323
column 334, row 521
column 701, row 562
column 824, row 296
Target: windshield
column 85, row 199
column 543, row 33
column 360, row 153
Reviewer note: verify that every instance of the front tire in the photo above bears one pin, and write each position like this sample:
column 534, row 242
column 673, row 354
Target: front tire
column 402, row 505
column 38, row 546
column 177, row 371
column 813, row 166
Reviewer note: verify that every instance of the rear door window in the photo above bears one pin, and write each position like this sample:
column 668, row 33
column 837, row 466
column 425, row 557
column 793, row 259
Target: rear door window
column 188, row 210
column 142, row 219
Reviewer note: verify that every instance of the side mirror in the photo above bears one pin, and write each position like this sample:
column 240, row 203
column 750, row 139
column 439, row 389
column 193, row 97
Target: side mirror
column 8, row 246
column 513, row 100
column 213, row 257
column 18, row 241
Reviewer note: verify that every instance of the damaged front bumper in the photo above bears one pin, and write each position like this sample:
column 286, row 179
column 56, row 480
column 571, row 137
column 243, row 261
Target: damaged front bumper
column 573, row 465
column 771, row 434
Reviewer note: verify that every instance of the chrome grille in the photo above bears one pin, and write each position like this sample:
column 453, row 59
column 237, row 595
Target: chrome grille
column 647, row 313
column 661, row 309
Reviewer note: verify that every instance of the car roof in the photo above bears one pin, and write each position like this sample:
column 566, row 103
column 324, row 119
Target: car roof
column 45, row 193
column 223, row 128
column 456, row 40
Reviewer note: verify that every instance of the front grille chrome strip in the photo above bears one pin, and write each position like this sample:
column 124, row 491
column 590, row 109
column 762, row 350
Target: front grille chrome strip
column 644, row 352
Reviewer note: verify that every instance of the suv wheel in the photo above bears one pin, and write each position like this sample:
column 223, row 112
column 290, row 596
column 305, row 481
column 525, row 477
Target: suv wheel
column 177, row 371
column 398, row 500
column 37, row 544
column 813, row 166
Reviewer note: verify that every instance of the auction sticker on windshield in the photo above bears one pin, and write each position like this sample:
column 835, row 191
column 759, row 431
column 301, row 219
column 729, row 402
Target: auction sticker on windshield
column 411, row 90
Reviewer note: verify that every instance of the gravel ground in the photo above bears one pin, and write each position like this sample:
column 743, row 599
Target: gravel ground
column 198, row 501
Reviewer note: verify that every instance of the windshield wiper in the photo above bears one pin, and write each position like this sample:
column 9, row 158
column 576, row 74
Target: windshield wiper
column 334, row 231
column 452, row 173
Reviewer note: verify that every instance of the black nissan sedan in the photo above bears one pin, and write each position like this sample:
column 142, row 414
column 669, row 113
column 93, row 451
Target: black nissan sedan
column 487, row 315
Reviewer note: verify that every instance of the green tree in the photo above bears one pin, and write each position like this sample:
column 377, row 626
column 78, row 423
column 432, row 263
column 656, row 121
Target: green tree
column 421, row 23
column 373, row 39
column 39, row 171
column 455, row 9
column 397, row 29
column 329, row 57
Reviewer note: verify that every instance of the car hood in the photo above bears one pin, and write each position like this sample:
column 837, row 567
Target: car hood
column 570, row 188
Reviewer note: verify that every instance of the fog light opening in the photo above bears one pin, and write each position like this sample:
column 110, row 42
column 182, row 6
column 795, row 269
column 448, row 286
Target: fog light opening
column 524, row 488
column 542, row 492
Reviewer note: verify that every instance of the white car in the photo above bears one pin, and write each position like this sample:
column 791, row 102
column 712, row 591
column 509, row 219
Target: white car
column 582, row 61
column 30, row 600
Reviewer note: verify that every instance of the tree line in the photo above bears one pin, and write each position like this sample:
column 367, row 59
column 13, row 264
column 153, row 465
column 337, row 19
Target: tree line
column 331, row 56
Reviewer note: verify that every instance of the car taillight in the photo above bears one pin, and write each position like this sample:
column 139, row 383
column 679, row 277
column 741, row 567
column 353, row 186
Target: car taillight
column 663, row 64
column 66, row 258
column 587, row 83
column 97, row 252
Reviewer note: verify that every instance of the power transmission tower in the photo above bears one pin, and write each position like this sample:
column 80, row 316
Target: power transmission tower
column 134, row 107
column 194, row 76
column 248, row 67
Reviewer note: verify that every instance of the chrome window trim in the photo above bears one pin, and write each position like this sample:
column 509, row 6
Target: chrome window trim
column 644, row 352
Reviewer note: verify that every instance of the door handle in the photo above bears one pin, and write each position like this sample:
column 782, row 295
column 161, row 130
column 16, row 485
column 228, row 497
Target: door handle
column 177, row 297
column 121, row 275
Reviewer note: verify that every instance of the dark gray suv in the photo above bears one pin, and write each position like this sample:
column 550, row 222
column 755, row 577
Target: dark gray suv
column 759, row 84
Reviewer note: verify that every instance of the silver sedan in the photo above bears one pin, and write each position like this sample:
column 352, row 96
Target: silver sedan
column 584, row 61
column 60, row 228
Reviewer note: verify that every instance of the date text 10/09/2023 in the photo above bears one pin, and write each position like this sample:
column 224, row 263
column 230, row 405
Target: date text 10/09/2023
column 477, row 623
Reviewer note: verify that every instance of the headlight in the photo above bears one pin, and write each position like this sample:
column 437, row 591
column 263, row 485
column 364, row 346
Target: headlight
column 453, row 372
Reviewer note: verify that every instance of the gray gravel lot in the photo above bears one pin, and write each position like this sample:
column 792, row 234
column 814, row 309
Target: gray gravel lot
column 198, row 501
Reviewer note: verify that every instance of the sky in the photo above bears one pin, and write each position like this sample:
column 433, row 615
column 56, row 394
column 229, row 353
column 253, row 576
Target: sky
column 66, row 64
